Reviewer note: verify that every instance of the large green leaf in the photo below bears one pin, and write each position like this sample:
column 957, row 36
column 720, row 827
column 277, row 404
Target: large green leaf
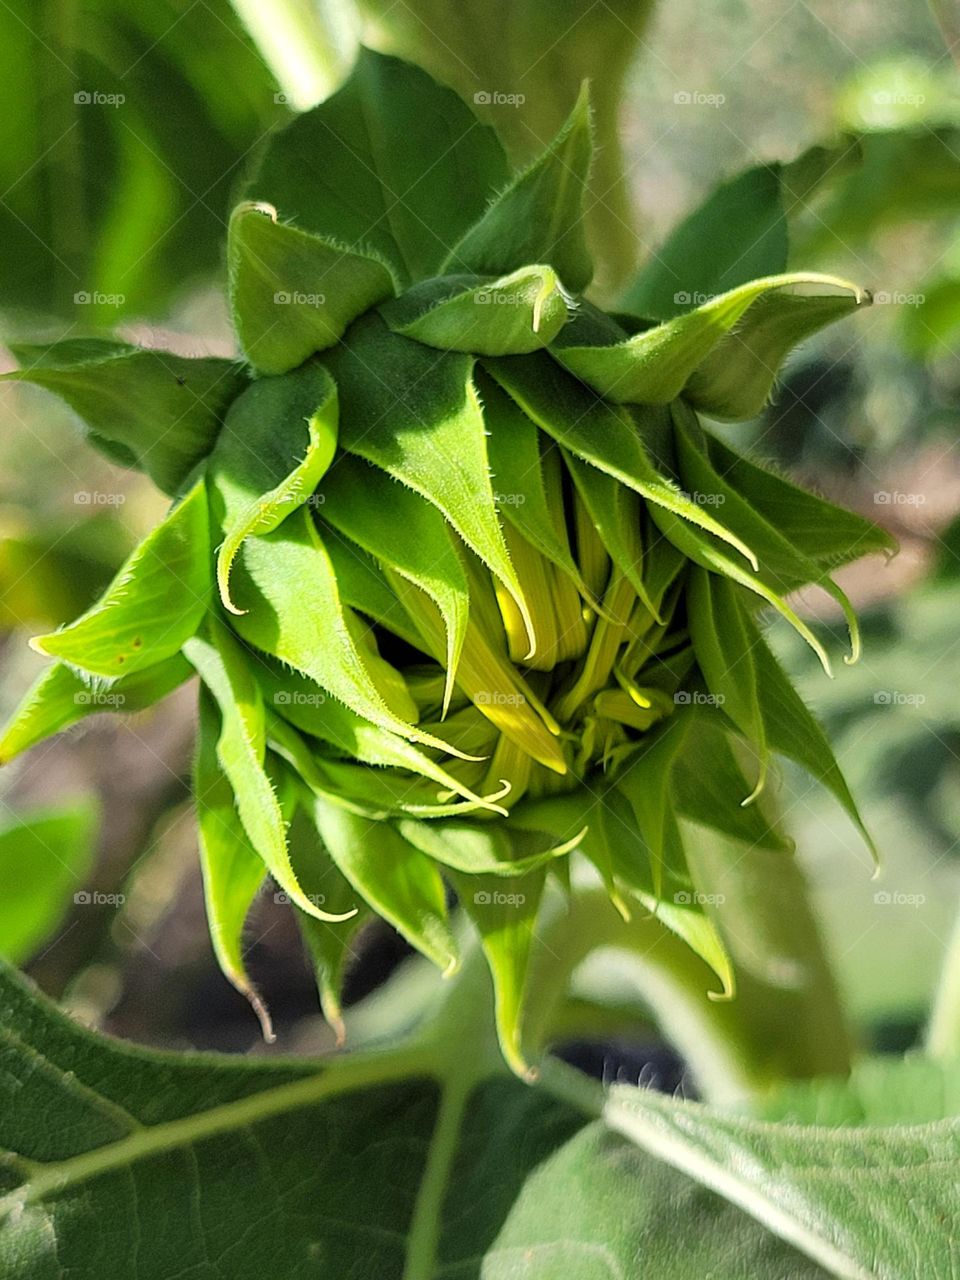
column 121, row 136
column 539, row 216
column 862, row 1178
column 293, row 293
column 152, row 410
column 152, row 606
column 392, row 165
column 278, row 439
column 385, row 1171
column 45, row 856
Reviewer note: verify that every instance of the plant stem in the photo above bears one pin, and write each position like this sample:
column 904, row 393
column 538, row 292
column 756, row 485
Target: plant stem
column 943, row 1029
column 308, row 46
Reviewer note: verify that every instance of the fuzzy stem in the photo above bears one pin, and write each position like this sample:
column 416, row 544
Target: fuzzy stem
column 943, row 1029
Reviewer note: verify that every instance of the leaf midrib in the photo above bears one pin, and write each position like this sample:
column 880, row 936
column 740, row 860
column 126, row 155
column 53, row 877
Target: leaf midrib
column 339, row 1078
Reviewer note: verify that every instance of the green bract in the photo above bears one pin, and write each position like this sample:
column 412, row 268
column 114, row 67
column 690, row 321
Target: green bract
column 467, row 583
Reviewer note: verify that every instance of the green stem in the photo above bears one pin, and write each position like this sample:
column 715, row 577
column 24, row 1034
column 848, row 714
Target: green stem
column 943, row 1030
column 308, row 46
column 711, row 1035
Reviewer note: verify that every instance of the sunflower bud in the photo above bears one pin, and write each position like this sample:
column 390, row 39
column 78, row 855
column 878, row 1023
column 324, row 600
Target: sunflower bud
column 467, row 583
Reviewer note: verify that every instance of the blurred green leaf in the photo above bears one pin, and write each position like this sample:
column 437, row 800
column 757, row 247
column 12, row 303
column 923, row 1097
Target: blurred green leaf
column 45, row 857
column 122, row 133
column 486, row 1173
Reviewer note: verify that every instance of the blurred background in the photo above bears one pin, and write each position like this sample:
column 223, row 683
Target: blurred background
column 124, row 136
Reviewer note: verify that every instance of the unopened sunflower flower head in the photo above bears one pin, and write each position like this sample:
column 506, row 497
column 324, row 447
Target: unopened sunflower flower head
column 469, row 585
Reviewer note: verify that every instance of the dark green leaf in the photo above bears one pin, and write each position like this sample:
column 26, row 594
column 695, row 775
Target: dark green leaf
column 738, row 234
column 162, row 412
column 392, row 164
column 539, row 216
